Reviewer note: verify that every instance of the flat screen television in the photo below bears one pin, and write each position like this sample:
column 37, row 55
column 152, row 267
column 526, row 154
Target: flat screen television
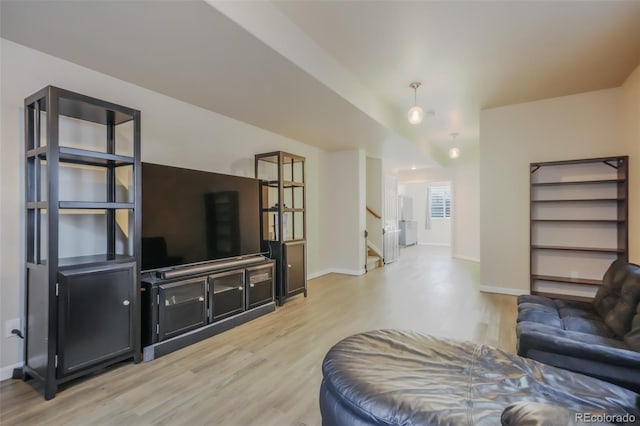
column 192, row 216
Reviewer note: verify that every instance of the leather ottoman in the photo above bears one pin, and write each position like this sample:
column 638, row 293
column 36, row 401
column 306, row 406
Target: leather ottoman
column 391, row 377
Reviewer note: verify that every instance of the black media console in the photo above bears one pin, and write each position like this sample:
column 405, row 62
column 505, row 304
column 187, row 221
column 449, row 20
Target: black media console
column 183, row 305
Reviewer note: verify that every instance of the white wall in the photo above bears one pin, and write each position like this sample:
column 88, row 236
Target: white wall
column 466, row 204
column 173, row 132
column 439, row 233
column 631, row 137
column 464, row 175
column 374, row 201
column 579, row 126
column 346, row 211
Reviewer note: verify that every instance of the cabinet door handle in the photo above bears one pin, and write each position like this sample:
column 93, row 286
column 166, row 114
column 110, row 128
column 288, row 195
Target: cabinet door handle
column 125, row 302
column 288, row 266
column 252, row 285
column 240, row 288
column 201, row 299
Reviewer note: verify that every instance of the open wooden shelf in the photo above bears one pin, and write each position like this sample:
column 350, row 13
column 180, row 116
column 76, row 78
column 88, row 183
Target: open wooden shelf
column 578, row 182
column 562, row 296
column 583, row 281
column 580, row 220
column 578, row 223
column 572, row 248
column 84, row 157
column 580, row 200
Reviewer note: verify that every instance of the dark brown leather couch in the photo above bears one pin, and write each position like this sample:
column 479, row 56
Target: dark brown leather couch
column 391, row 377
column 600, row 339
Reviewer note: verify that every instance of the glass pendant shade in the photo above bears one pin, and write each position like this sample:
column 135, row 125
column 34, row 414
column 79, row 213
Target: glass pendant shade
column 415, row 115
column 454, row 153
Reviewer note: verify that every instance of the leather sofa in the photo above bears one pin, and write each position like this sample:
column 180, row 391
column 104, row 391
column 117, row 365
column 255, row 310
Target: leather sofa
column 392, row 377
column 600, row 339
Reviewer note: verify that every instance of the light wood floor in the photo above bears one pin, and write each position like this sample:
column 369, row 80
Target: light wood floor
column 267, row 372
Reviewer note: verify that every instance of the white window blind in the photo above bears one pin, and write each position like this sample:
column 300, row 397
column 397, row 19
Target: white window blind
column 440, row 202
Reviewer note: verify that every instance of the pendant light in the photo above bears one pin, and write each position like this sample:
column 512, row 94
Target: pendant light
column 454, row 152
column 416, row 114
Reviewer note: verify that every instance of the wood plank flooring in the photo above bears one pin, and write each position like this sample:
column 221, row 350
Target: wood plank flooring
column 267, row 372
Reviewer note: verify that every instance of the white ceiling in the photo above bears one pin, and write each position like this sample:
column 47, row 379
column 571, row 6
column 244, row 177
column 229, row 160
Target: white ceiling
column 336, row 74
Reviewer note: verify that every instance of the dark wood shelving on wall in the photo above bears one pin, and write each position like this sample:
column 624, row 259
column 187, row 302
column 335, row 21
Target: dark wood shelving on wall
column 578, row 224
column 82, row 208
column 282, row 219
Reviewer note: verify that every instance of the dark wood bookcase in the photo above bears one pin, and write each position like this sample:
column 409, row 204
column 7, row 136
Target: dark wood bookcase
column 82, row 310
column 578, row 224
column 282, row 219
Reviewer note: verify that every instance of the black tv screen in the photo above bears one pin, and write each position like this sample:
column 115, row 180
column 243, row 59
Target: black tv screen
column 191, row 216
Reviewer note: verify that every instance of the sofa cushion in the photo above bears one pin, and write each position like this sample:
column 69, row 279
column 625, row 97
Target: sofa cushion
column 538, row 300
column 632, row 338
column 617, row 299
column 593, row 326
column 588, row 339
column 563, row 316
column 540, row 316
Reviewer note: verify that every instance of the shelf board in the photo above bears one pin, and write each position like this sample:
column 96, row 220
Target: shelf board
column 582, row 200
column 85, row 108
column 579, row 182
column 273, row 157
column 285, row 210
column 37, row 205
column 563, row 296
column 570, row 248
column 581, row 220
column 94, row 205
column 568, row 280
column 220, row 288
column 580, row 161
column 94, row 259
column 84, row 156
column 285, row 184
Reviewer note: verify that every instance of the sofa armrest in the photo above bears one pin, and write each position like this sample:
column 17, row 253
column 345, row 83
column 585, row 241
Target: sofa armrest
column 554, row 342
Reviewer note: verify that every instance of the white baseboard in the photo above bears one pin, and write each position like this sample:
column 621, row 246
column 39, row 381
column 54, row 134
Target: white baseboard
column 335, row 271
column 7, row 372
column 349, row 271
column 318, row 274
column 435, row 244
column 502, row 290
column 469, row 258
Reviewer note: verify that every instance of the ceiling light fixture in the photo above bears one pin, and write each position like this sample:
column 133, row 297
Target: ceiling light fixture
column 454, row 152
column 416, row 114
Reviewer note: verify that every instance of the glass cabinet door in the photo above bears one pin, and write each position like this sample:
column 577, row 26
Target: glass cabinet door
column 227, row 294
column 182, row 307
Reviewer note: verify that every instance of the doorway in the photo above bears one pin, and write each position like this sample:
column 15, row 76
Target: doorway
column 432, row 210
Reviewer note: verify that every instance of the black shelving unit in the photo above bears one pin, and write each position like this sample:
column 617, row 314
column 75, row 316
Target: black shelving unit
column 82, row 310
column 578, row 224
column 282, row 219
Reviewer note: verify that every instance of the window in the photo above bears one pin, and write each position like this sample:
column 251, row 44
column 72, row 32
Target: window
column 440, row 202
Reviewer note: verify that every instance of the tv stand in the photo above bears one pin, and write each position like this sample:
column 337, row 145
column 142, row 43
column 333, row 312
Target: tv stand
column 184, row 305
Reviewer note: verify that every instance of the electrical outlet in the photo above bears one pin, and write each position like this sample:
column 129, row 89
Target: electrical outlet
column 10, row 325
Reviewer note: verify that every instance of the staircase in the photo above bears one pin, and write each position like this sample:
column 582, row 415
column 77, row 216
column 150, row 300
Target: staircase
column 373, row 260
